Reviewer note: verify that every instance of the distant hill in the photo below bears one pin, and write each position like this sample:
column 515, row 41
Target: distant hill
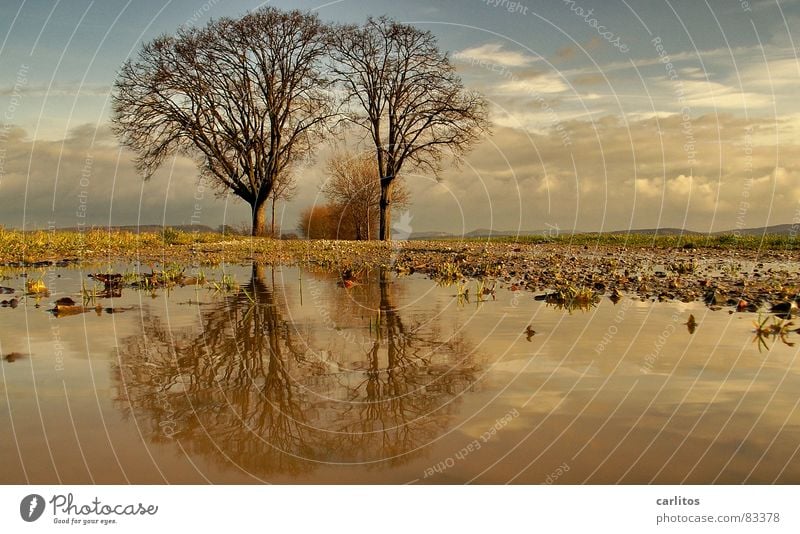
column 655, row 231
column 430, row 235
column 778, row 229
column 485, row 232
column 144, row 228
column 480, row 232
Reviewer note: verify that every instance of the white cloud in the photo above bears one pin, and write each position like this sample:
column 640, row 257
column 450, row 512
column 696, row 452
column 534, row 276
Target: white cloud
column 85, row 179
column 495, row 54
column 613, row 171
column 546, row 83
column 775, row 75
column 718, row 95
column 57, row 90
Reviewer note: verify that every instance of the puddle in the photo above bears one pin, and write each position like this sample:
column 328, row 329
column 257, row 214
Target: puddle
column 281, row 374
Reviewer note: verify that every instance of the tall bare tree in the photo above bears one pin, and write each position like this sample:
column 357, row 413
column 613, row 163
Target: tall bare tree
column 244, row 97
column 353, row 184
column 405, row 92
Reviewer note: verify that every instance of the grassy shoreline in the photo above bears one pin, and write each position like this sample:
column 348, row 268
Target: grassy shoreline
column 739, row 272
column 35, row 246
column 635, row 240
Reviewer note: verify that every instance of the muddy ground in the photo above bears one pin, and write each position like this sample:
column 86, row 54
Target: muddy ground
column 739, row 279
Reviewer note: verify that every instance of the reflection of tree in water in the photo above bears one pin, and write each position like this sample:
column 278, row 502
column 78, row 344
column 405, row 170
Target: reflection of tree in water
column 248, row 384
column 410, row 378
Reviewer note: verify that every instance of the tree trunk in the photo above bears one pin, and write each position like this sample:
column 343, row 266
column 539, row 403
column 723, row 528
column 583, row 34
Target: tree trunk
column 386, row 211
column 259, row 218
column 259, row 277
column 358, row 224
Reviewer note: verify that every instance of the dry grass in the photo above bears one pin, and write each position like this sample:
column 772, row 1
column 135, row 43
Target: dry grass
column 174, row 246
column 178, row 246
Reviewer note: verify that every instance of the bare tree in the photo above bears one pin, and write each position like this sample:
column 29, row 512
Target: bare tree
column 406, row 94
column 354, row 184
column 317, row 222
column 327, row 221
column 244, row 97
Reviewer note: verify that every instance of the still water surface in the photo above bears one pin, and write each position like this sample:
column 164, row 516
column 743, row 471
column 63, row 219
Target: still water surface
column 295, row 378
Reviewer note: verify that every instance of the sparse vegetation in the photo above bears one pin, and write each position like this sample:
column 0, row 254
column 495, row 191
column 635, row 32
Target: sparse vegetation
column 704, row 274
column 571, row 298
column 633, row 240
column 36, row 286
column 447, row 273
column 682, row 267
column 778, row 329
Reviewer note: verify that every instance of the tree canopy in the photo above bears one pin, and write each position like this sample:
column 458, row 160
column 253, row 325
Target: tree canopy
column 246, row 98
column 249, row 98
column 406, row 94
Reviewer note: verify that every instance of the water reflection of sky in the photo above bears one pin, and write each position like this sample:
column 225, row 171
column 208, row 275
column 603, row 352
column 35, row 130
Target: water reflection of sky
column 295, row 378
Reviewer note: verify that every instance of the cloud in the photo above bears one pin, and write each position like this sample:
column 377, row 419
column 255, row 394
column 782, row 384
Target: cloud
column 570, row 52
column 543, row 83
column 86, row 178
column 710, row 94
column 566, row 53
column 641, row 87
column 588, row 79
column 495, row 54
column 56, row 90
column 608, row 172
column 775, row 75
column 617, row 173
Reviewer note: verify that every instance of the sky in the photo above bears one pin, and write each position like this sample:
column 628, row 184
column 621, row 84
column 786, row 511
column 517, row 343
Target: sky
column 606, row 115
